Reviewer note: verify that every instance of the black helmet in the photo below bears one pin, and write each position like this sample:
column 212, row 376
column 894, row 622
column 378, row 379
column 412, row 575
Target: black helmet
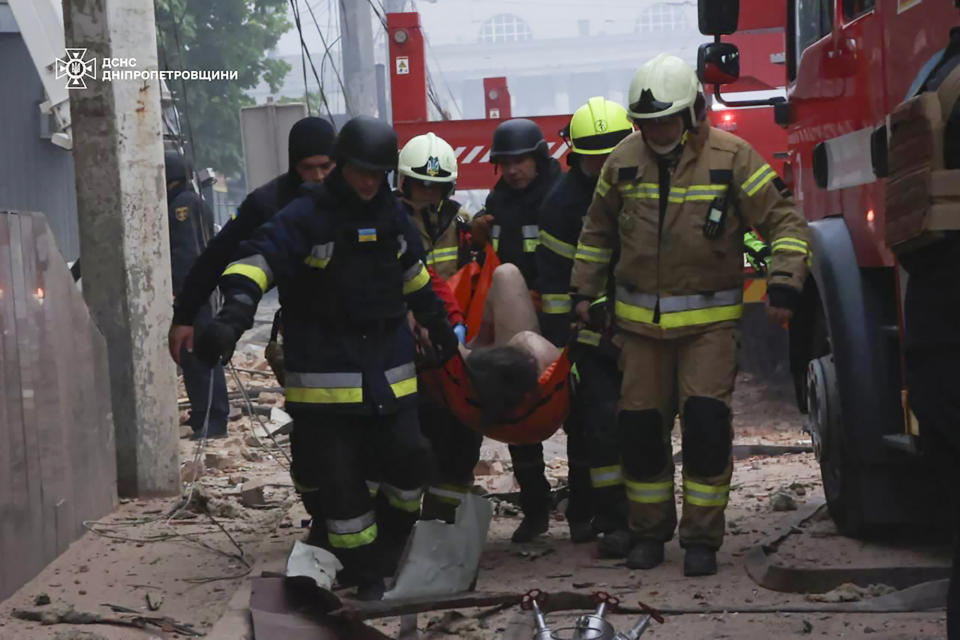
column 175, row 166
column 518, row 137
column 368, row 143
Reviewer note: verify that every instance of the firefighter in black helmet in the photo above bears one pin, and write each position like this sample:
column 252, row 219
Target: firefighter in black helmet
column 509, row 221
column 348, row 265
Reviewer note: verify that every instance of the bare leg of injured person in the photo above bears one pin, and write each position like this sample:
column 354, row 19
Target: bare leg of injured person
column 510, row 321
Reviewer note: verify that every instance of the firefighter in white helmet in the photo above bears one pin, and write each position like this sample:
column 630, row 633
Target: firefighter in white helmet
column 673, row 202
column 427, row 178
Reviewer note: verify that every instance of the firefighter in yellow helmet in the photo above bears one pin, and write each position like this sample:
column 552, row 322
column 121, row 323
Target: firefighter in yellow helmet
column 597, row 501
column 673, row 202
column 427, row 178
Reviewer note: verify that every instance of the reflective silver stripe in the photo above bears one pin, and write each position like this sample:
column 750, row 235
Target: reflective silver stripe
column 606, row 476
column 352, row 525
column 403, row 372
column 373, row 487
column 558, row 246
column 402, row 239
column 724, row 298
column 404, row 494
column 637, row 298
column 446, row 493
column 530, row 231
column 413, row 271
column 593, row 254
column 495, row 232
column 244, row 298
column 324, row 380
column 322, row 251
column 257, row 261
column 673, row 304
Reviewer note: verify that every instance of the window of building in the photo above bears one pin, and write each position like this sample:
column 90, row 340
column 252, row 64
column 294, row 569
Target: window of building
column 505, row 27
column 662, row 17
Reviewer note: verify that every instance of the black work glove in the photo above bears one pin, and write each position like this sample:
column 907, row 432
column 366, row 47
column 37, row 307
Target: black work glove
column 216, row 343
column 442, row 337
column 783, row 297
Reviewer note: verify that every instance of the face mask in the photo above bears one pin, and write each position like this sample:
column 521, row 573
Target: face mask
column 664, row 150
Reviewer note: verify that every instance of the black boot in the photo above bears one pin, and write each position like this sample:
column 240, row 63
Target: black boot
column 533, row 524
column 699, row 561
column 370, row 589
column 581, row 532
column 616, row 544
column 646, row 554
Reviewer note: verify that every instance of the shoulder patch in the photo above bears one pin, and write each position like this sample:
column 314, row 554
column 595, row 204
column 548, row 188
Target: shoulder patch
column 181, row 213
column 626, row 174
column 721, row 176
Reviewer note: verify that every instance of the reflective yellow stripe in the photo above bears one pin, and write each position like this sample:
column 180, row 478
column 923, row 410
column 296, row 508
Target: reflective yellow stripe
column 403, row 499
column 557, row 303
column 373, row 488
column 760, row 177
column 324, row 396
column 649, row 492
column 641, row 191
column 679, row 311
column 705, row 495
column 558, row 246
column 402, row 379
column 529, row 246
column 255, row 268
column 442, row 255
column 496, row 244
column 585, row 336
column 598, row 255
column 415, row 278
column 611, row 476
column 353, row 540
column 787, row 244
column 603, row 187
column 319, row 263
column 352, row 532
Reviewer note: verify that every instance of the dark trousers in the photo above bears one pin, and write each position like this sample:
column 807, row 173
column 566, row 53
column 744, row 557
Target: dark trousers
column 594, row 414
column 332, row 454
column 197, row 378
column 528, row 469
column 933, row 381
column 456, row 450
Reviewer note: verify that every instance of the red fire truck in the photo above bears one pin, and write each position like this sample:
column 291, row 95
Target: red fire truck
column 849, row 63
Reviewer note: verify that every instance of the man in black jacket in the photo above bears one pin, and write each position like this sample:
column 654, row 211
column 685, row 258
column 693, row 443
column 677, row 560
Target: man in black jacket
column 310, row 150
column 191, row 222
column 593, row 456
column 348, row 265
column 509, row 221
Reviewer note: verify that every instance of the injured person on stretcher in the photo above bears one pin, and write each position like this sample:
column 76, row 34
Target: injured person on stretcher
column 510, row 383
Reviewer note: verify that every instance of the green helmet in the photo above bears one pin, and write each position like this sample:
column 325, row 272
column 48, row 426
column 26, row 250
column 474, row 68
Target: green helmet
column 597, row 127
column 429, row 158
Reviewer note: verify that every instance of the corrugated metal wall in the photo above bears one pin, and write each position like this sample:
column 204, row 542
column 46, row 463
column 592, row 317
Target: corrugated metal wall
column 35, row 175
column 57, row 452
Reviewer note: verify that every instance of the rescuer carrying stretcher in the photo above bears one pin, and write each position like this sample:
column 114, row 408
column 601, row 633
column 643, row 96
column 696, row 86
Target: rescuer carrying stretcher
column 348, row 264
column 673, row 202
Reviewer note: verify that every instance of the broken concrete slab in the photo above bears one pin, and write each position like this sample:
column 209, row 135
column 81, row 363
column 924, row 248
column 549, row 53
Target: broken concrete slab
column 312, row 562
column 252, row 494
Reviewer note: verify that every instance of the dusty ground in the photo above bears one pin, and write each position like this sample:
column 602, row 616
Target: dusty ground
column 191, row 568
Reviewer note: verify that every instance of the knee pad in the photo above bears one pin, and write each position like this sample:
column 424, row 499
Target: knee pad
column 644, row 452
column 707, row 437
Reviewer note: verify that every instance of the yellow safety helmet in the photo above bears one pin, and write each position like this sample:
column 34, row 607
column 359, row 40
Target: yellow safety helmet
column 662, row 87
column 598, row 126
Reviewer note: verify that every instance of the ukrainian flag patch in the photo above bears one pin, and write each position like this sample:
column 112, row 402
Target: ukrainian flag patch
column 367, row 235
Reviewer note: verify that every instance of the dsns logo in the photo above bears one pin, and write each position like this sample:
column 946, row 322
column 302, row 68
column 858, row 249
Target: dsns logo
column 75, row 68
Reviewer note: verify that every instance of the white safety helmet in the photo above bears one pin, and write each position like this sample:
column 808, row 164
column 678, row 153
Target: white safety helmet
column 429, row 158
column 662, row 87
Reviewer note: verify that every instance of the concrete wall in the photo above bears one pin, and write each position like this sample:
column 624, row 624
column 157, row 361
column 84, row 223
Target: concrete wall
column 57, row 453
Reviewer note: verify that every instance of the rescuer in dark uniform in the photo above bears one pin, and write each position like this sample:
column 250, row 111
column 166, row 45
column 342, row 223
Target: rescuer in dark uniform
column 595, row 478
column 191, row 222
column 310, row 150
column 931, row 309
column 509, row 221
column 348, row 264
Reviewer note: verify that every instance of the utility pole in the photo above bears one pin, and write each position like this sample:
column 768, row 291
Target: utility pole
column 356, row 32
column 124, row 241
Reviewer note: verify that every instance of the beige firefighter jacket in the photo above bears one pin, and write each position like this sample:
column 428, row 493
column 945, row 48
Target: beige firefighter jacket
column 445, row 255
column 670, row 279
